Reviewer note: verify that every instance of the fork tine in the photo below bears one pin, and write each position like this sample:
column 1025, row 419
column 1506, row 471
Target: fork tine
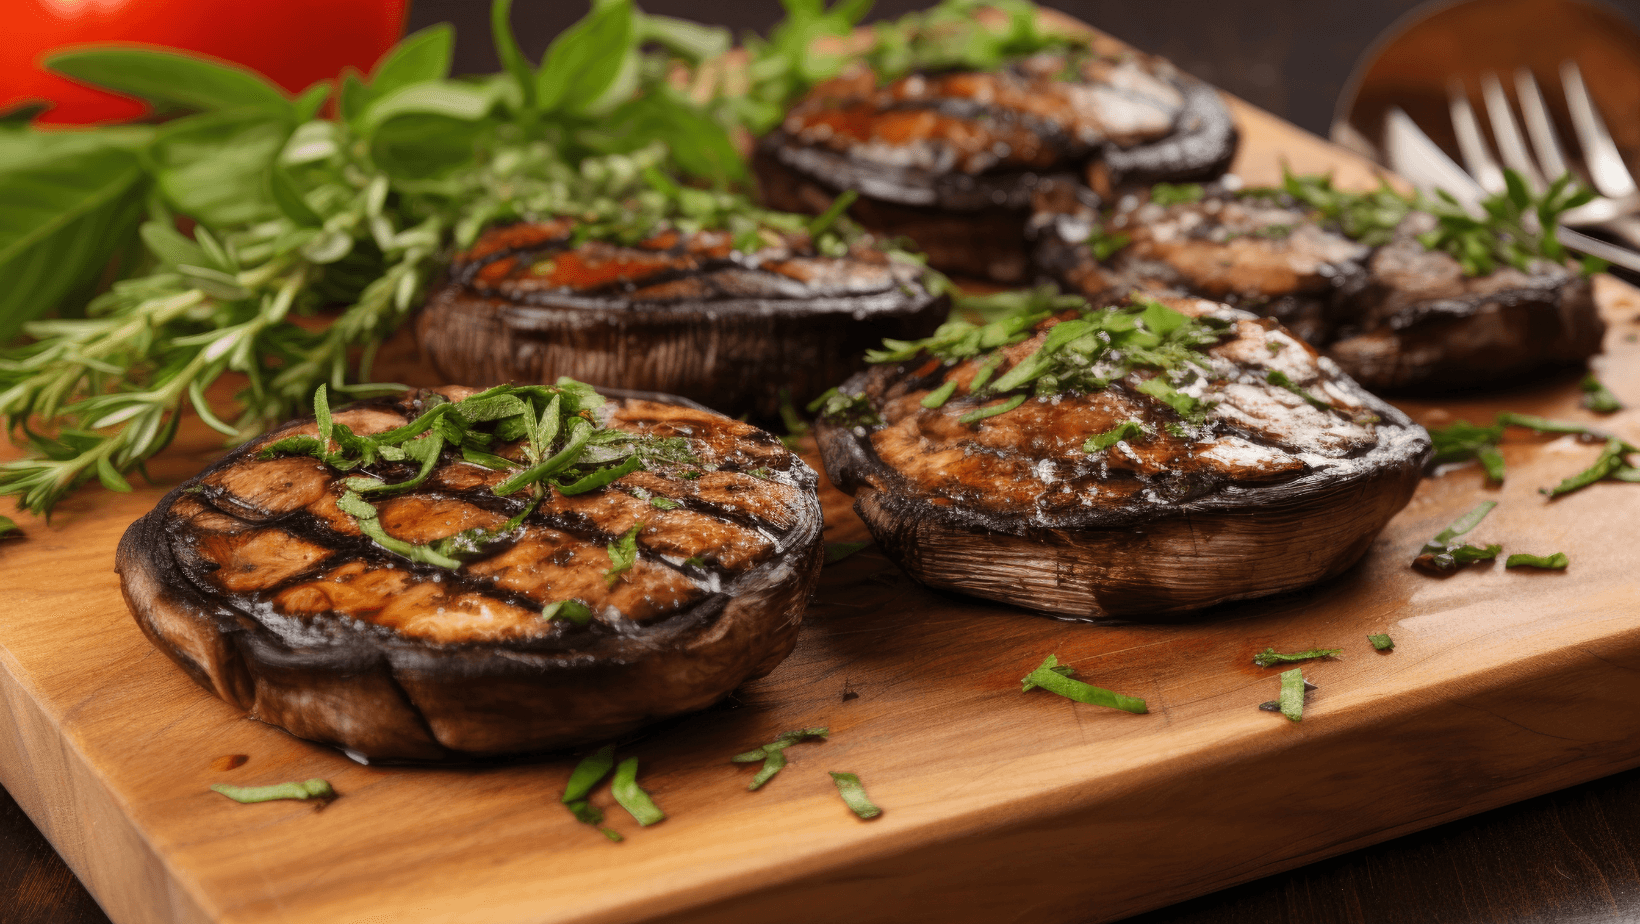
column 1600, row 155
column 1511, row 146
column 1539, row 127
column 1476, row 155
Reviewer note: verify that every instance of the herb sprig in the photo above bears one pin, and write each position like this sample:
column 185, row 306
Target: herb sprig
column 1446, row 553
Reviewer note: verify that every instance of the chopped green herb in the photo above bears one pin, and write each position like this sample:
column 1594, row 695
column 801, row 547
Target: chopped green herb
column 773, row 754
column 848, row 410
column 1381, row 642
column 1106, row 243
column 939, row 396
column 1176, row 193
column 695, row 560
column 630, row 796
column 1276, row 346
column 572, row 610
column 623, row 554
column 1599, row 398
column 1556, row 562
column 854, row 795
column 1054, row 681
column 664, row 503
column 1192, row 409
column 1612, row 461
column 823, row 221
column 1275, row 232
column 1269, row 657
column 837, row 551
column 586, row 775
column 764, row 472
column 978, row 414
column 1464, row 440
column 1292, row 694
column 1279, row 379
column 1128, row 430
column 307, row 789
column 1445, row 553
column 9, row 529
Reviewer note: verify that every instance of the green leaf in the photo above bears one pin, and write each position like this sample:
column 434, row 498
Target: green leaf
column 1556, row 562
column 630, row 796
column 174, row 79
column 1127, row 430
column 63, row 219
column 512, row 59
column 588, row 773
column 423, row 55
column 623, row 554
column 854, row 795
column 303, row 791
column 940, row 395
column 9, row 529
column 979, row 414
column 1599, row 398
column 448, row 98
column 573, row 610
column 688, row 40
column 1048, row 678
column 837, row 551
column 288, row 197
column 213, row 167
column 1609, row 463
column 699, row 146
column 1269, row 657
column 1292, row 694
column 584, row 62
column 1381, row 642
column 311, row 100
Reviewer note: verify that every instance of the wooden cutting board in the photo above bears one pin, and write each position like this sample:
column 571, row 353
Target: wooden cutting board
column 998, row 805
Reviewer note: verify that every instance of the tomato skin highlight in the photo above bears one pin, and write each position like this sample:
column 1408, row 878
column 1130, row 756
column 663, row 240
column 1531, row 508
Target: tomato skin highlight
column 294, row 43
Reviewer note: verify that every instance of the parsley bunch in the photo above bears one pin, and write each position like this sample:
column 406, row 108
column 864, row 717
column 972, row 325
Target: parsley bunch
column 561, row 444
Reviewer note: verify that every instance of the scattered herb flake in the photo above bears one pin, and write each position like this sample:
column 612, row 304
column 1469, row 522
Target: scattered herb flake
column 623, row 554
column 1279, row 379
column 848, row 410
column 573, row 610
column 796, row 426
column 1176, row 193
column 854, row 795
column 1269, row 657
column 9, row 529
column 589, row 773
column 1292, row 694
column 1054, row 681
column 1381, row 642
column 1556, row 562
column 304, row 790
column 1445, row 553
column 978, row 414
column 1599, row 398
column 630, row 796
column 1106, row 243
column 939, row 396
column 773, row 754
column 1611, row 462
column 664, row 503
column 1127, row 430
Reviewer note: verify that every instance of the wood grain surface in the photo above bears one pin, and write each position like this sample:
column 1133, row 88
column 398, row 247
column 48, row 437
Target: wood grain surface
column 998, row 805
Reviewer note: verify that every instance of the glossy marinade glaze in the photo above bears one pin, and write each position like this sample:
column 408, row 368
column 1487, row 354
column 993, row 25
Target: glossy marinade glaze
column 943, row 157
column 1274, row 487
column 252, row 579
column 681, row 313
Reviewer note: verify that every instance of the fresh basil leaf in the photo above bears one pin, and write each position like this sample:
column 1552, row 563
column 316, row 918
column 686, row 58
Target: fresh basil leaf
column 311, row 100
column 854, row 795
column 698, row 145
column 423, row 55
column 212, row 167
column 630, row 796
column 63, row 220
column 353, row 97
column 512, row 59
column 1556, row 562
column 584, row 62
column 448, row 98
column 173, row 79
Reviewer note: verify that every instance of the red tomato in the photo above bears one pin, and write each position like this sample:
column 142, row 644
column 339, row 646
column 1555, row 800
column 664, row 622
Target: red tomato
column 292, row 42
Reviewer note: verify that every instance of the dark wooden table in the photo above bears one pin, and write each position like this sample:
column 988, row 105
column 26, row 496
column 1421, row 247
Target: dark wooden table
column 1571, row 856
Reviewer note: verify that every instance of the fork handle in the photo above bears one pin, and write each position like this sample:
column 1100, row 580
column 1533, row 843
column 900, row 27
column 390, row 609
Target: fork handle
column 1594, row 247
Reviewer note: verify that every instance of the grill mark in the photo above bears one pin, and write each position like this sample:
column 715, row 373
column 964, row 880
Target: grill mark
column 704, row 272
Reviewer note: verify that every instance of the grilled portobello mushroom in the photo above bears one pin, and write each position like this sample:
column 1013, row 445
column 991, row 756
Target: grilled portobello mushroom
column 1394, row 314
column 693, row 314
column 952, row 159
column 1132, row 463
column 455, row 615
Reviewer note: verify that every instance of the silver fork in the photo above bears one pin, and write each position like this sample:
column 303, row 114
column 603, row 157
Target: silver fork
column 1614, row 210
column 1411, row 153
